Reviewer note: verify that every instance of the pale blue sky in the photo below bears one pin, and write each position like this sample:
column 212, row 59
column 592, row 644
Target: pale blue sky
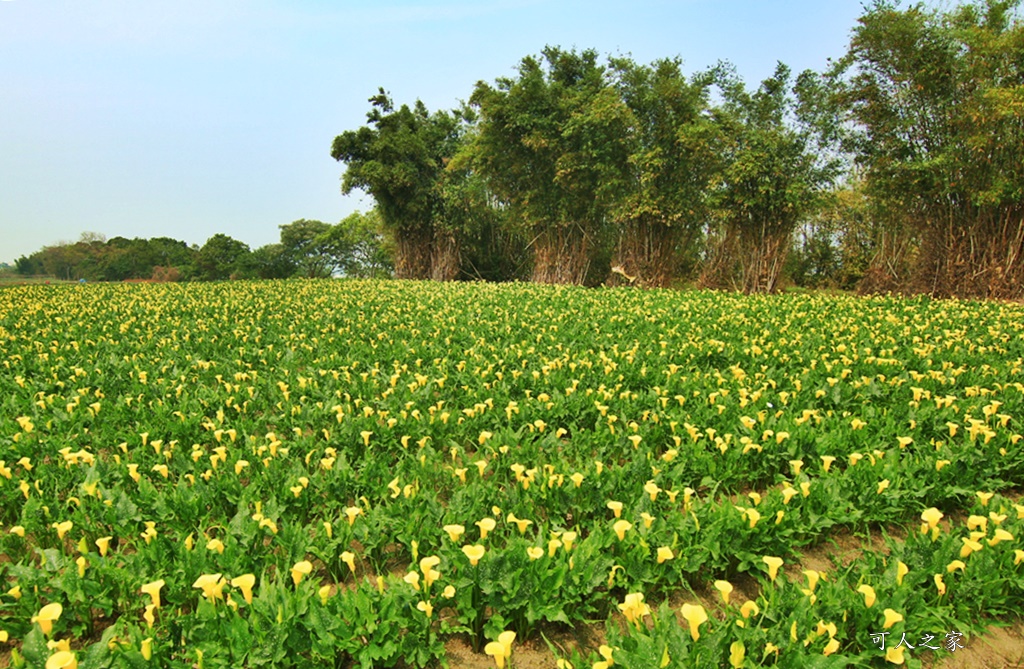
column 147, row 118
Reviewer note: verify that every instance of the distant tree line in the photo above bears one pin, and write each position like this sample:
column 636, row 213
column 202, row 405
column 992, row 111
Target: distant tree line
column 353, row 247
column 898, row 168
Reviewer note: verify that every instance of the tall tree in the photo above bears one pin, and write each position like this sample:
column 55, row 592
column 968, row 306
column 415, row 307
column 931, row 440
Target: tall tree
column 937, row 101
column 773, row 177
column 369, row 254
column 397, row 158
column 674, row 145
column 223, row 257
column 551, row 147
column 311, row 248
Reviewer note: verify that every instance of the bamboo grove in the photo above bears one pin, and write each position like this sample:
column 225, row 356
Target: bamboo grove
column 897, row 168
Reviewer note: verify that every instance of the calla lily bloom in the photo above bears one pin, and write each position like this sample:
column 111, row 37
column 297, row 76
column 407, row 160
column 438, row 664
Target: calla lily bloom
column 901, row 571
column 750, row 608
column 940, row 585
column 664, row 553
column 521, row 523
column 146, row 648
column 737, row 654
column 300, row 569
column 474, row 553
column 954, row 565
column 501, row 649
column 454, row 531
column 351, row 512
column 486, row 525
column 616, row 508
column 773, row 564
column 891, row 618
column 1000, row 535
column 894, row 655
column 535, row 552
column 724, row 587
column 245, row 582
column 63, row 659
column 869, row 595
column 349, row 558
column 211, row 585
column 633, row 607
column 969, row 547
column 696, row 616
column 47, row 615
column 62, row 528
column 931, row 518
column 621, row 527
column 153, row 590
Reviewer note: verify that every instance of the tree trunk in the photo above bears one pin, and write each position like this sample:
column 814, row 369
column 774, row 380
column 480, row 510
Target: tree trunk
column 748, row 259
column 445, row 256
column 973, row 253
column 646, row 253
column 561, row 255
column 412, row 253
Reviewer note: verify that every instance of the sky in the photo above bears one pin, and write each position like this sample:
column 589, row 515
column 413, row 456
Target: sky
column 186, row 118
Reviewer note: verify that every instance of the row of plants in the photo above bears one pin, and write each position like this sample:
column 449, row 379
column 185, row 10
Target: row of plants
column 317, row 444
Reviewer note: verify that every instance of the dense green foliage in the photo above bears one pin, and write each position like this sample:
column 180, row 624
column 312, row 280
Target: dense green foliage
column 353, row 247
column 348, row 445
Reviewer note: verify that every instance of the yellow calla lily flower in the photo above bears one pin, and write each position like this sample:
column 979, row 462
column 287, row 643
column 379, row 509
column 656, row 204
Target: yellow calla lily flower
column 300, row 569
column 696, row 616
column 474, row 553
column 153, row 590
column 211, row 585
column 47, row 615
column 891, row 618
column 725, row 588
column 63, row 659
column 486, row 525
column 633, row 607
column 773, row 564
column 245, row 583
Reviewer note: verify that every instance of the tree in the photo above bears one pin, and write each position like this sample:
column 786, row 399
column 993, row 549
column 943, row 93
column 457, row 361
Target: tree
column 397, row 158
column 937, row 104
column 223, row 257
column 551, row 147
column 272, row 261
column 772, row 179
column 674, row 143
column 312, row 248
column 369, row 255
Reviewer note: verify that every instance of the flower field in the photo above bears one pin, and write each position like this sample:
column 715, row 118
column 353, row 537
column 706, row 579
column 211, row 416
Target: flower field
column 342, row 473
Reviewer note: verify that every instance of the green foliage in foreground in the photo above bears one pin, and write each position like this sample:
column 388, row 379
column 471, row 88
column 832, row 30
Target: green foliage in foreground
column 535, row 455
